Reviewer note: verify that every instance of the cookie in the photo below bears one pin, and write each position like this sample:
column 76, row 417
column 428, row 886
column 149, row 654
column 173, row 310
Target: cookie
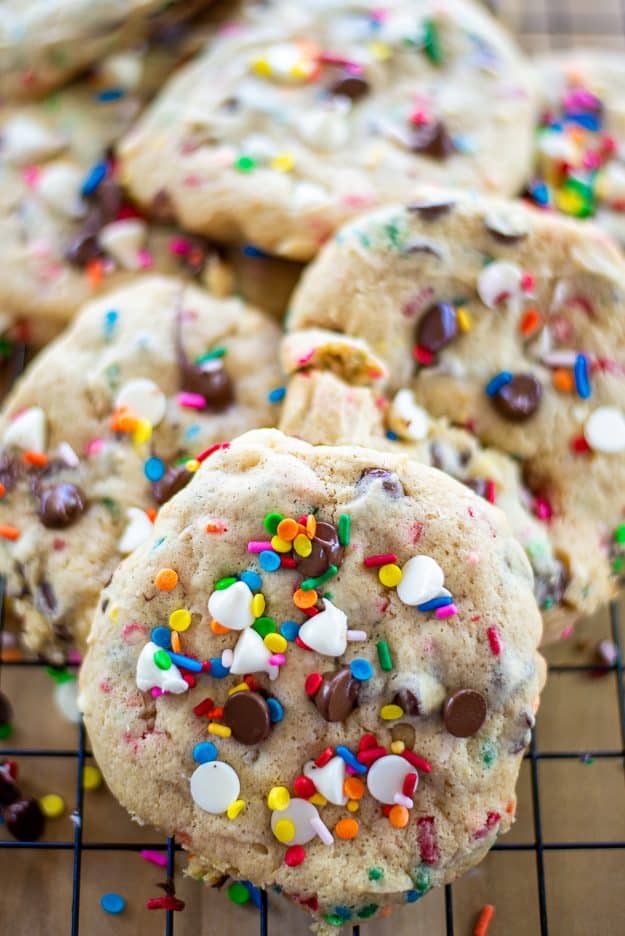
column 581, row 137
column 320, row 673
column 307, row 114
column 507, row 321
column 99, row 430
column 44, row 43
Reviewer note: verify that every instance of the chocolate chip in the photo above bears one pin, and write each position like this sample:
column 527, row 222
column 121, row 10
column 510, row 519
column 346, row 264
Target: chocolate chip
column 550, row 589
column 438, row 327
column 519, row 398
column 432, row 140
column 391, row 484
column 464, row 713
column 210, row 380
column 47, row 597
column 61, row 506
column 337, row 696
column 9, row 791
column 10, row 471
column 104, row 205
column 24, row 820
column 350, row 86
column 6, row 710
column 326, row 551
column 173, row 480
column 247, row 715
column 162, row 207
column 84, row 247
column 407, row 701
column 432, row 209
column 404, row 732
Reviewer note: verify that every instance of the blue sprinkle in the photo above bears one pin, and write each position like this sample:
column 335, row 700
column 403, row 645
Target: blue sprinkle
column 412, row 896
column 276, row 712
column 343, row 912
column 250, row 250
column 582, row 378
column 159, row 542
column 289, row 630
column 361, row 669
column 154, row 469
column 499, row 380
column 269, row 561
column 110, row 94
column 112, row 903
column 350, row 759
column 587, row 121
column 186, row 662
column 252, row 579
column 540, row 193
column 392, row 436
column 435, row 603
column 191, row 432
column 204, row 752
column 162, row 637
column 254, row 894
column 110, row 321
column 276, row 395
column 96, row 174
column 218, row 670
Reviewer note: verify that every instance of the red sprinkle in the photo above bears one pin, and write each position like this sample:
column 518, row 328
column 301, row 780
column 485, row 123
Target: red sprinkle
column 375, row 561
column 251, row 682
column 304, row 787
column 300, row 643
column 288, row 562
column 580, row 445
column 313, row 683
column 419, row 762
column 294, row 856
column 492, row 819
column 206, row 666
column 371, row 755
column 494, row 641
column 165, row 903
column 367, row 742
column 422, row 356
column 410, row 784
column 211, row 449
column 324, row 757
column 428, row 844
column 311, row 613
column 490, row 491
column 217, row 712
column 189, row 678
column 527, row 282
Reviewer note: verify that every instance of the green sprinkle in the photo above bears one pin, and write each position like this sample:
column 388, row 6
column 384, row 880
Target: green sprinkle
column 489, row 753
column 6, row 731
column 384, row 656
column 112, row 507
column 224, row 583
column 271, row 522
column 238, row 893
column 421, row 879
column 328, row 595
column 375, row 874
column 432, row 42
column 619, row 534
column 309, row 584
column 393, row 233
column 245, row 164
column 344, row 529
column 264, row 626
column 211, row 355
column 6, row 347
column 618, row 565
column 60, row 676
column 368, row 911
column 162, row 660
column 112, row 374
column 333, row 919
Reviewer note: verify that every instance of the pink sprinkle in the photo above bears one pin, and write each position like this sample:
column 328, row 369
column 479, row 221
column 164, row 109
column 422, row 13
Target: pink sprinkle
column 145, row 258
column 568, row 630
column 490, row 491
column 179, row 246
column 155, row 692
column 527, row 282
column 258, row 546
column 191, row 400
column 74, row 657
column 305, row 358
column 446, row 612
column 373, row 562
column 422, row 356
column 95, row 447
column 542, row 508
column 580, row 99
column 157, row 858
column 277, row 659
column 357, row 202
column 31, row 176
column 133, row 633
column 494, row 640
column 419, row 117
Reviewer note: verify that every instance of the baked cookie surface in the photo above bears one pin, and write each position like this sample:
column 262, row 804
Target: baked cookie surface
column 358, row 634
column 98, row 431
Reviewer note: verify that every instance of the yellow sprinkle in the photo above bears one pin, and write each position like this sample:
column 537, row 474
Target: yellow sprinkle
column 180, row 619
column 275, row 642
column 397, row 747
column 318, row 800
column 463, row 317
column 353, row 805
column 284, row 831
column 278, row 798
column 302, row 545
column 300, row 70
column 380, row 50
column 222, row 730
column 261, row 67
column 240, row 687
column 280, row 545
column 114, row 613
column 52, row 805
column 283, row 163
column 143, row 432
column 390, row 575
column 258, row 605
column 235, row 808
column 390, row 712
column 91, row 777
column 568, row 202
column 192, row 465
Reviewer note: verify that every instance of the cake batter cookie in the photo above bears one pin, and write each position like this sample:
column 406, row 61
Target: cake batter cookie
column 507, row 321
column 358, row 634
column 580, row 145
column 310, row 113
column 104, row 426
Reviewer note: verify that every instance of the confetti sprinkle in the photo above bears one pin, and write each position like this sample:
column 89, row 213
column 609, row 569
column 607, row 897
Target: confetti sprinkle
column 112, row 903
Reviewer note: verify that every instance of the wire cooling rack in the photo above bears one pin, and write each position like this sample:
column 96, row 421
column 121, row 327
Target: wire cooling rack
column 540, row 24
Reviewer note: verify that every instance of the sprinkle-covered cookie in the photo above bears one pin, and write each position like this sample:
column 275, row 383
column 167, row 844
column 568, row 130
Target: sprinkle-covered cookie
column 509, row 322
column 309, row 113
column 106, row 424
column 320, row 672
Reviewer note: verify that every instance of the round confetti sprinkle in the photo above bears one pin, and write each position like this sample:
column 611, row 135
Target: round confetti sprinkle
column 91, row 777
column 238, row 893
column 235, row 809
column 161, row 636
column 391, row 712
column 112, row 903
column 280, row 545
column 275, row 642
column 390, row 575
column 52, row 805
column 302, row 545
column 289, row 630
column 204, row 752
column 287, row 529
column 278, row 798
column 252, row 580
column 269, row 561
column 276, row 712
column 294, row 856
column 166, row 579
column 398, row 817
column 154, row 469
column 264, row 626
column 180, row 619
column 305, row 599
column 361, row 669
column 162, row 659
column 271, row 522
column 218, row 670
column 354, row 788
column 258, row 605
column 346, row 829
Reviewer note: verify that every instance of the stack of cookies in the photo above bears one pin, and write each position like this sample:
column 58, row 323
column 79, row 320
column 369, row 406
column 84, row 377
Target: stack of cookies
column 310, row 545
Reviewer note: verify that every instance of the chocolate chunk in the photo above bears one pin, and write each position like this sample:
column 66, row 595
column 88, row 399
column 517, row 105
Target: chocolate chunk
column 337, row 696
column 6, row 710
column 519, row 398
column 391, row 484
column 404, row 732
column 407, row 701
column 162, row 207
column 550, row 589
column 47, row 596
column 173, row 480
column 210, row 381
column 438, row 327
column 432, row 209
column 105, row 203
column 326, row 551
column 350, row 86
column 432, row 140
column 24, row 820
column 464, row 713
column 247, row 715
column 61, row 506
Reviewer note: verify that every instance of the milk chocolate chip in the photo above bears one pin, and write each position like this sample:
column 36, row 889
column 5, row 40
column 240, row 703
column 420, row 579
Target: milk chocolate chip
column 172, row 481
column 210, row 380
column 464, row 713
column 247, row 715
column 326, row 551
column 438, row 327
column 391, row 484
column 24, row 820
column 519, row 399
column 432, row 140
column 61, row 505
column 350, row 86
column 337, row 696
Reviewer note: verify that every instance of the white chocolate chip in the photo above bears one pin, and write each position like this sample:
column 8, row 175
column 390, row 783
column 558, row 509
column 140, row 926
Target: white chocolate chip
column 406, row 418
column 59, row 186
column 386, row 776
column 123, row 70
column 326, row 632
column 144, row 399
column 66, row 700
column 599, row 257
column 328, row 779
column 150, row 676
column 498, row 281
column 301, row 813
column 422, row 580
column 232, row 607
column 214, row 786
column 605, row 430
column 123, row 240
column 27, row 431
column 252, row 656
column 25, row 141
column 325, row 128
column 138, row 531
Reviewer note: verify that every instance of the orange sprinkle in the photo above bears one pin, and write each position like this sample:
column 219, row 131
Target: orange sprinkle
column 563, row 380
column 3, row 490
column 311, row 525
column 9, row 532
column 399, row 816
column 216, row 712
column 166, row 579
column 175, row 642
column 94, row 273
column 530, row 322
column 216, row 528
column 11, row 654
column 511, row 807
column 483, row 922
column 151, row 512
column 288, row 529
column 346, row 828
column 305, row 599
column 218, row 628
column 354, row 788
column 35, row 458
